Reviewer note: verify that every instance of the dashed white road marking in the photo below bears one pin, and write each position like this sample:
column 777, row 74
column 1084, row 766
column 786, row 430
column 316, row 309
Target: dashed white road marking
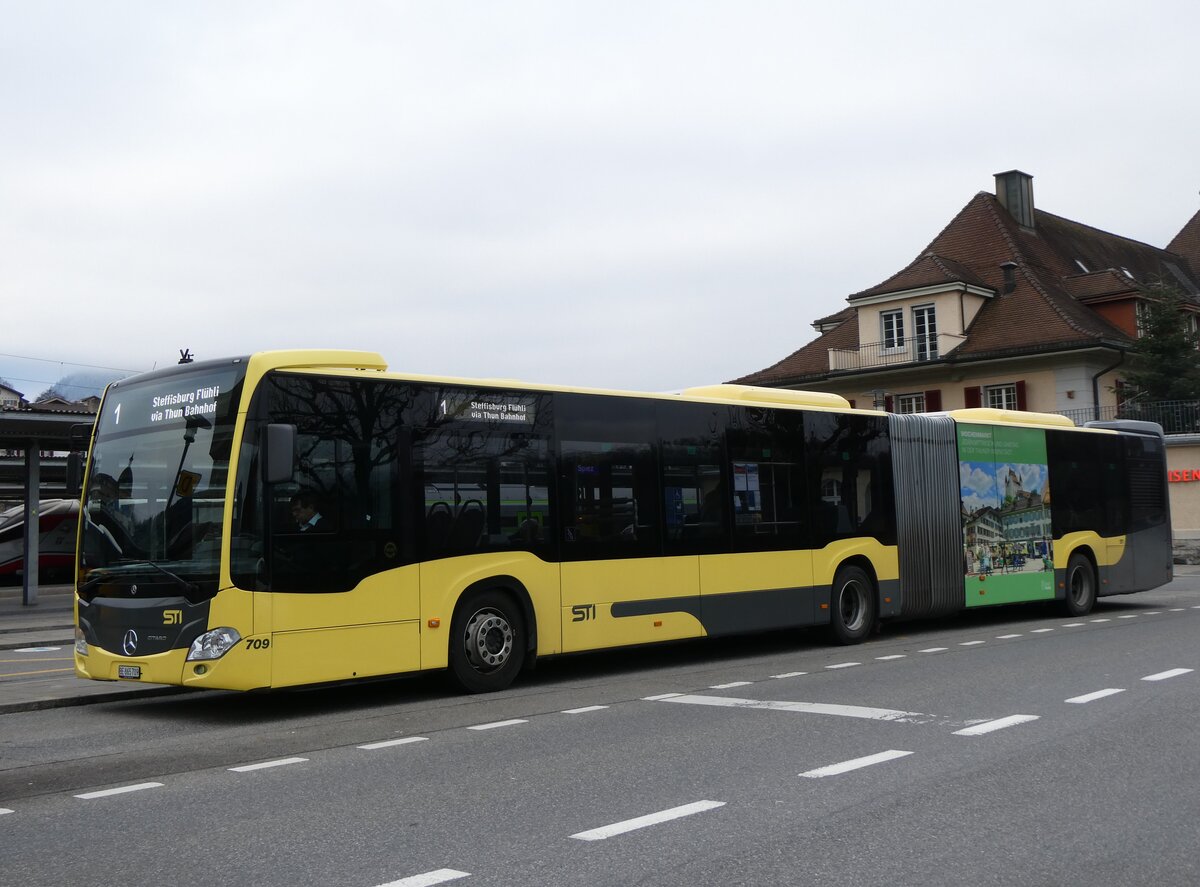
column 584, row 710
column 629, row 825
column 492, row 726
column 1006, row 637
column 856, row 764
column 1041, row 630
column 1129, row 616
column 843, row 665
column 730, row 685
column 972, row 643
column 934, row 650
column 37, row 650
column 1074, row 624
column 1100, row 620
column 819, row 708
column 893, row 656
column 1092, row 697
column 282, row 762
column 998, row 724
column 789, row 674
column 4, row 810
column 388, row 743
column 1164, row 675
column 428, row 879
column 660, row 697
column 109, row 792
column 1178, row 609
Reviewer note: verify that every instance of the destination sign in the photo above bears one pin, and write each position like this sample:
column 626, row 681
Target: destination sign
column 200, row 400
column 491, row 407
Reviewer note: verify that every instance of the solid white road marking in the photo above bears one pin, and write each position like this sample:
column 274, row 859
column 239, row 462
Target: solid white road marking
column 999, row 724
column 629, row 825
column 730, row 685
column 584, row 710
column 819, row 708
column 282, row 762
column 1092, row 697
column 893, row 656
column 388, row 743
column 494, row 725
column 1163, row 675
column 856, row 764
column 844, row 665
column 428, row 879
column 108, row 792
column 789, row 674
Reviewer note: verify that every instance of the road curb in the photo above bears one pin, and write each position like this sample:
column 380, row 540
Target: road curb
column 90, row 699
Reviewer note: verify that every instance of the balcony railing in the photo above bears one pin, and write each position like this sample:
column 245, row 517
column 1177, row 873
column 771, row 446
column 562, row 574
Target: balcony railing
column 915, row 349
column 1175, row 416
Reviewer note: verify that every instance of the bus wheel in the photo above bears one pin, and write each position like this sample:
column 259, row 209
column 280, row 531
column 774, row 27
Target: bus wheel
column 1081, row 586
column 487, row 642
column 852, row 608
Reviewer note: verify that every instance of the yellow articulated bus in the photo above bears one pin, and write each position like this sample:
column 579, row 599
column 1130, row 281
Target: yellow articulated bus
column 300, row 517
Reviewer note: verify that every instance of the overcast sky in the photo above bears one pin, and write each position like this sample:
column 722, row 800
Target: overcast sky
column 639, row 195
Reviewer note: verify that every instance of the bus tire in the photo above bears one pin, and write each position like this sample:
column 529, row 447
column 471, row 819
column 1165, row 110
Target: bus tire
column 852, row 606
column 1081, row 586
column 487, row 641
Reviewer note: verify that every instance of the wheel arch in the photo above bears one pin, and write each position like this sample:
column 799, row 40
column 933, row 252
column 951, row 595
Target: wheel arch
column 516, row 589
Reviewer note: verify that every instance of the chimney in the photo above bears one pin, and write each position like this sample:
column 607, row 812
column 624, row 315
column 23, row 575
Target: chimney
column 1014, row 190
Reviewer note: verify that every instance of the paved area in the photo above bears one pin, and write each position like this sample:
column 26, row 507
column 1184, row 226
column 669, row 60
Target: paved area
column 37, row 645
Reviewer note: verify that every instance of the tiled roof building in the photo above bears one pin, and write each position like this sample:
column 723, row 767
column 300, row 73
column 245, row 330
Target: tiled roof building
column 1008, row 306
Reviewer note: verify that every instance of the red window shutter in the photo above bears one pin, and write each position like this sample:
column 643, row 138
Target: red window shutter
column 887, row 403
column 973, row 396
column 933, row 401
column 1021, row 395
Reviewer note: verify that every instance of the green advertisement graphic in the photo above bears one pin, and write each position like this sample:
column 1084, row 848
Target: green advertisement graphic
column 1005, row 487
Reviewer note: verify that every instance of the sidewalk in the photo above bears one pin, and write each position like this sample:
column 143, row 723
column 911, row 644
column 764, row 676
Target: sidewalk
column 47, row 629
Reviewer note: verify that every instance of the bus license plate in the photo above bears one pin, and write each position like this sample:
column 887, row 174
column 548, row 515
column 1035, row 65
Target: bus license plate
column 129, row 671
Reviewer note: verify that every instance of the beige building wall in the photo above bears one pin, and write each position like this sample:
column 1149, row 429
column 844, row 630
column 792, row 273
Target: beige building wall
column 1183, row 485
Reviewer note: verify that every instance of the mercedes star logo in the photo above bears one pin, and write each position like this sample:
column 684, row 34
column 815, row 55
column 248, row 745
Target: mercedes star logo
column 129, row 645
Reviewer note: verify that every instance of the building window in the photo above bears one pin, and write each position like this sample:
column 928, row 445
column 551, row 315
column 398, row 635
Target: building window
column 1140, row 311
column 1001, row 397
column 1191, row 326
column 910, row 403
column 925, row 333
column 893, row 329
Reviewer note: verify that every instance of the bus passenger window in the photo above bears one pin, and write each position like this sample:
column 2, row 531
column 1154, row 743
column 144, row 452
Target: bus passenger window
column 609, row 499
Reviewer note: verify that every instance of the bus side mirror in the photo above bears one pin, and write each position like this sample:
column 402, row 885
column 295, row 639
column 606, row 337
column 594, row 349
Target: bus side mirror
column 278, row 453
column 74, row 473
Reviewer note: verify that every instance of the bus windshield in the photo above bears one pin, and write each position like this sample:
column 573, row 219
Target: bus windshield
column 155, row 495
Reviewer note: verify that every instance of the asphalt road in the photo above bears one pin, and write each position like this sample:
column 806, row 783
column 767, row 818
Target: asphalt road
column 1006, row 747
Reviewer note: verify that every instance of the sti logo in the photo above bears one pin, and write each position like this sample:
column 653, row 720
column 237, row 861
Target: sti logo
column 172, row 617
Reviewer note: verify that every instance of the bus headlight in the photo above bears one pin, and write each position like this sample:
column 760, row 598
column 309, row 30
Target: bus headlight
column 213, row 644
column 81, row 644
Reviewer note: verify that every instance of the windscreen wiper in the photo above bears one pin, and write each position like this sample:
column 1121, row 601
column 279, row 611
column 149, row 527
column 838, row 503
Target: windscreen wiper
column 190, row 589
